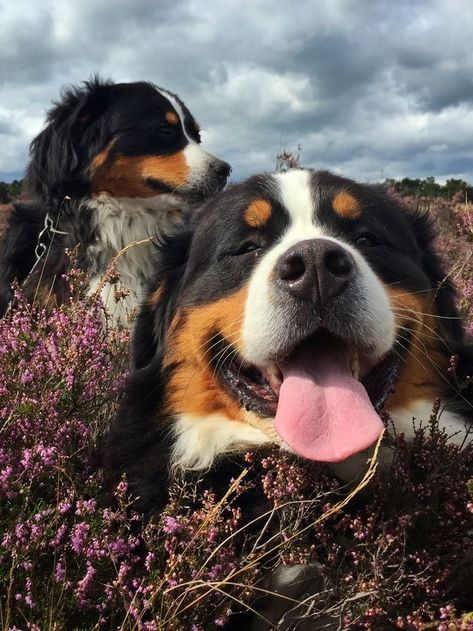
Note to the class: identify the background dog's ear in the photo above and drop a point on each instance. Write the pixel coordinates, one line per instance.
(74, 133)
(159, 306)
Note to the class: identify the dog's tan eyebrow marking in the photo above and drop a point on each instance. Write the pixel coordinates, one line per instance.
(171, 118)
(347, 206)
(257, 214)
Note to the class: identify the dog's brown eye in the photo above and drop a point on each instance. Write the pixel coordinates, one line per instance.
(165, 129)
(247, 248)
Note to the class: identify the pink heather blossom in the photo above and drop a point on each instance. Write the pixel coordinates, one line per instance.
(171, 525)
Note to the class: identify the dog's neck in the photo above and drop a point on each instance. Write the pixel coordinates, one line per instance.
(125, 229)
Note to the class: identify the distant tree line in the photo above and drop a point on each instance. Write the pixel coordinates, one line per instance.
(9, 191)
(430, 188)
(427, 187)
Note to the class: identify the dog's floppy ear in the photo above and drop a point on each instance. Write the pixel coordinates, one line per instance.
(445, 293)
(61, 153)
(159, 307)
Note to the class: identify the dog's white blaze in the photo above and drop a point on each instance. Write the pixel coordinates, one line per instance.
(264, 322)
(177, 106)
(199, 441)
(296, 196)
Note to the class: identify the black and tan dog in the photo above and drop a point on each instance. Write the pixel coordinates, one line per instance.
(115, 164)
(297, 306)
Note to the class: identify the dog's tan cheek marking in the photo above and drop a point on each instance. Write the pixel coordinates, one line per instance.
(102, 157)
(125, 177)
(258, 213)
(425, 369)
(346, 206)
(193, 387)
(122, 178)
(172, 170)
(171, 118)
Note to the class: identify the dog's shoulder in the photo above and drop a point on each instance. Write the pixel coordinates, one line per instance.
(137, 445)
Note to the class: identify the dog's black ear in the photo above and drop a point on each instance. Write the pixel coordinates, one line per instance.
(445, 296)
(159, 306)
(74, 133)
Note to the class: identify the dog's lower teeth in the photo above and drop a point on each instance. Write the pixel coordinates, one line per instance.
(355, 366)
(274, 377)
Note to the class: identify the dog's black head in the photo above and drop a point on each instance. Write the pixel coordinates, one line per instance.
(299, 305)
(126, 140)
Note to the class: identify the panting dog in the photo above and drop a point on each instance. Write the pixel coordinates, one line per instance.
(292, 309)
(117, 163)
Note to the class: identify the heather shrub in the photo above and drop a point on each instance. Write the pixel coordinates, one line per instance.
(60, 373)
(396, 551)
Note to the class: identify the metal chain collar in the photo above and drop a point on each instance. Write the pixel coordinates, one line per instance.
(41, 247)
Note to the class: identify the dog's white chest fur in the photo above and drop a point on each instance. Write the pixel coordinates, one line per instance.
(125, 229)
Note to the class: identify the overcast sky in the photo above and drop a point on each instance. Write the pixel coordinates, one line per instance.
(370, 89)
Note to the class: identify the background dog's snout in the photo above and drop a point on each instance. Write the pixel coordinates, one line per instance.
(221, 168)
(316, 269)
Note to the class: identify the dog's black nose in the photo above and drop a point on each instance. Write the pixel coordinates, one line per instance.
(221, 168)
(316, 270)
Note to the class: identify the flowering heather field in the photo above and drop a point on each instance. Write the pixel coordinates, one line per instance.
(398, 553)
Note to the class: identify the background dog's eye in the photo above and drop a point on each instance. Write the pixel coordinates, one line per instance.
(247, 248)
(164, 129)
(366, 240)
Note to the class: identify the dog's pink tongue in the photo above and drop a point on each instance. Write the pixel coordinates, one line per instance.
(323, 412)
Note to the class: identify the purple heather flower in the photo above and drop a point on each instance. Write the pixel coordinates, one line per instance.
(171, 525)
(79, 537)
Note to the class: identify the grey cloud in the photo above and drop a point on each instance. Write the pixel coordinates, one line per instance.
(369, 89)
